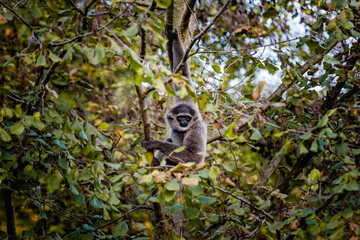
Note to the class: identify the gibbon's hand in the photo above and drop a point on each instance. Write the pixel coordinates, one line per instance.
(149, 145)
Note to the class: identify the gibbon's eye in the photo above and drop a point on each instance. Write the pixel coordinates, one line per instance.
(183, 120)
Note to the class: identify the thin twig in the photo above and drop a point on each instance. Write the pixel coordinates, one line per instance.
(231, 51)
(243, 200)
(18, 16)
(123, 215)
(88, 33)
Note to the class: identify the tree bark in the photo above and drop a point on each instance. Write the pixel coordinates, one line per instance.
(10, 214)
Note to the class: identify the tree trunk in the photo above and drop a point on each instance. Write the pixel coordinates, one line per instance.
(10, 214)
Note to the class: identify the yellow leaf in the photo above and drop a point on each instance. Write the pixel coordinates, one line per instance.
(190, 181)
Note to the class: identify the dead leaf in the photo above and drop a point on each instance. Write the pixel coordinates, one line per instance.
(2, 19)
(73, 71)
(259, 88)
(178, 175)
(294, 225)
(229, 182)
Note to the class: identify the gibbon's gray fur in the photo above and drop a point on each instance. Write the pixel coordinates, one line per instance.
(184, 120)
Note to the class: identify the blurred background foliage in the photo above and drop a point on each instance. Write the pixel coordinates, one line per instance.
(276, 81)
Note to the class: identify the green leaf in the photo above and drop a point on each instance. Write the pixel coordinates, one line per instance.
(17, 129)
(271, 12)
(73, 190)
(337, 234)
(348, 213)
(314, 146)
(80, 199)
(210, 108)
(180, 149)
(339, 4)
(207, 200)
(96, 203)
(85, 175)
(61, 104)
(163, 3)
(216, 68)
(305, 136)
(135, 62)
(314, 175)
(256, 135)
(54, 58)
(172, 186)
(230, 132)
(120, 230)
(82, 134)
(354, 33)
(177, 207)
(106, 215)
(41, 60)
(116, 48)
(196, 190)
(159, 85)
(113, 198)
(341, 148)
(168, 196)
(98, 55)
(352, 186)
(60, 144)
(35, 10)
(302, 149)
(214, 172)
(132, 31)
(313, 230)
(183, 92)
(4, 135)
(53, 183)
(191, 213)
(324, 120)
(90, 130)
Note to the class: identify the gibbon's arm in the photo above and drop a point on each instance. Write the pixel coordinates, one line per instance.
(178, 54)
(168, 147)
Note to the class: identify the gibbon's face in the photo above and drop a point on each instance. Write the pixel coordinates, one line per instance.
(181, 117)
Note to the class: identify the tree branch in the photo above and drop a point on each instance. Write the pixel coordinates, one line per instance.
(243, 200)
(10, 214)
(186, 16)
(279, 91)
(88, 33)
(197, 37)
(163, 226)
(314, 60)
(274, 163)
(18, 16)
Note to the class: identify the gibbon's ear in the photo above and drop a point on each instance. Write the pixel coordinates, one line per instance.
(178, 53)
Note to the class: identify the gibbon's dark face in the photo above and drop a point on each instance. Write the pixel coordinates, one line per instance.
(183, 120)
(180, 117)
